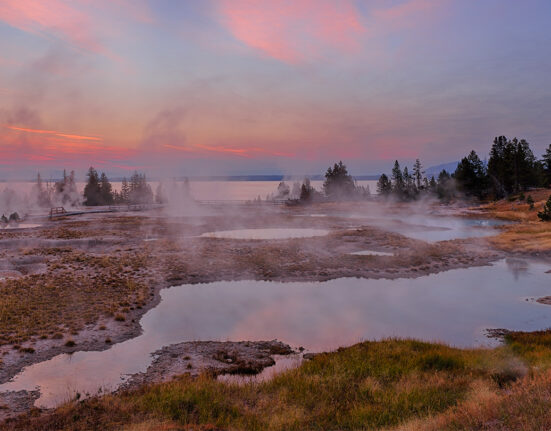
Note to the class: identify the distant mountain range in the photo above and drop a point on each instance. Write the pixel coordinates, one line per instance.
(435, 170)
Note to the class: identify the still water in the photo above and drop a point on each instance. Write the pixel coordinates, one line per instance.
(453, 307)
(267, 233)
(432, 228)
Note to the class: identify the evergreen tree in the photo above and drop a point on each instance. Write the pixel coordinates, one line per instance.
(547, 166)
(512, 166)
(471, 176)
(445, 187)
(338, 182)
(139, 191)
(125, 191)
(384, 186)
(398, 185)
(432, 184)
(160, 196)
(409, 184)
(106, 190)
(92, 190)
(418, 174)
(545, 213)
(306, 191)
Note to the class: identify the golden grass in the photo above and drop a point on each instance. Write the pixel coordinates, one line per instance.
(391, 384)
(77, 290)
(529, 235)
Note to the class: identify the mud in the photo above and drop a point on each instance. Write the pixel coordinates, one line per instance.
(212, 357)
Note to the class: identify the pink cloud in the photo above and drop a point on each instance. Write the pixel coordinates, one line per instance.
(408, 13)
(247, 152)
(52, 17)
(20, 145)
(294, 30)
(78, 22)
(53, 132)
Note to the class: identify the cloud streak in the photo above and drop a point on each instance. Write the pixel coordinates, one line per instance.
(53, 132)
(294, 31)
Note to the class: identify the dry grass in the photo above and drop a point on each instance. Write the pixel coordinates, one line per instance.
(77, 291)
(529, 235)
(392, 384)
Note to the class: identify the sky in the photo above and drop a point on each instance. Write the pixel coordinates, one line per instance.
(230, 87)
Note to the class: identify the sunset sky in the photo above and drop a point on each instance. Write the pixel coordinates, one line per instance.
(218, 87)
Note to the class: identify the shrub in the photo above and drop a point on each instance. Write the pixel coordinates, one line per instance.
(545, 213)
(530, 201)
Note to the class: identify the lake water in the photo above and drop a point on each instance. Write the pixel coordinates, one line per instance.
(210, 190)
(453, 307)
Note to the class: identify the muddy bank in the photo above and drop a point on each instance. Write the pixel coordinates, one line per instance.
(213, 357)
(15, 403)
(546, 300)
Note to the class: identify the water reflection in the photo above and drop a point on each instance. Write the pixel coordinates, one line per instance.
(432, 228)
(454, 306)
(268, 233)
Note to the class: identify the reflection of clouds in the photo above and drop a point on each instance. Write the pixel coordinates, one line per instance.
(450, 306)
(517, 267)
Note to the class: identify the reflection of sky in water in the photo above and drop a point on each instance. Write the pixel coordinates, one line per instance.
(371, 253)
(19, 226)
(453, 306)
(433, 229)
(267, 233)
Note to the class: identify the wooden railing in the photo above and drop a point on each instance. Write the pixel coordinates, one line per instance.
(57, 211)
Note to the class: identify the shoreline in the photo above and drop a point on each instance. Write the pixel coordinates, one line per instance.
(461, 253)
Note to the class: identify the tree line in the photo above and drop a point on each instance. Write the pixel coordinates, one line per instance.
(338, 185)
(99, 191)
(511, 168)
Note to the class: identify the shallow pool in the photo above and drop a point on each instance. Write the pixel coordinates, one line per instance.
(454, 307)
(434, 228)
(371, 253)
(267, 233)
(20, 226)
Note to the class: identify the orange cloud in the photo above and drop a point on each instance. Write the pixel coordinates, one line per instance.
(23, 145)
(53, 132)
(294, 30)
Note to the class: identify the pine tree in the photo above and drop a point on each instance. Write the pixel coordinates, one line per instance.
(418, 174)
(397, 179)
(306, 191)
(545, 213)
(92, 191)
(547, 166)
(384, 186)
(471, 176)
(338, 182)
(125, 191)
(106, 190)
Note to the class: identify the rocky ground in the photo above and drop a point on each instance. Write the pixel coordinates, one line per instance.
(213, 357)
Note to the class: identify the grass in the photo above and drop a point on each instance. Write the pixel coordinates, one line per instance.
(529, 234)
(391, 384)
(79, 290)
